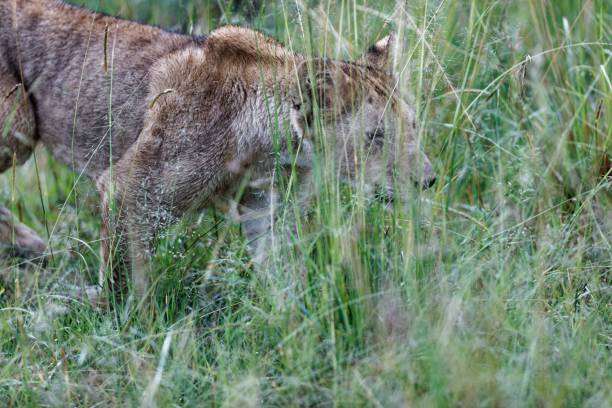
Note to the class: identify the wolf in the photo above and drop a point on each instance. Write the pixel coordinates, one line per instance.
(167, 123)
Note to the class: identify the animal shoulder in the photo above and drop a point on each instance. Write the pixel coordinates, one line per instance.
(246, 45)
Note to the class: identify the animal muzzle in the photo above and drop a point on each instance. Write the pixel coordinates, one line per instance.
(427, 183)
(422, 180)
(426, 178)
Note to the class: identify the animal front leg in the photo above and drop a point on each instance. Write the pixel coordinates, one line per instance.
(128, 228)
(257, 212)
(113, 244)
(140, 236)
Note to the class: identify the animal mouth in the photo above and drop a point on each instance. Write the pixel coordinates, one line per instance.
(386, 196)
(426, 183)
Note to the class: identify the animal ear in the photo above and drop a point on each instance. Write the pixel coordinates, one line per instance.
(380, 55)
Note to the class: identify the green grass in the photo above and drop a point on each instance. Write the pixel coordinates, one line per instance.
(491, 289)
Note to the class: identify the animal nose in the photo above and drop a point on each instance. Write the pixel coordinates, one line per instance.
(428, 183)
(428, 177)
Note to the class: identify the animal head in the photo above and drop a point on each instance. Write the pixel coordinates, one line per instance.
(372, 129)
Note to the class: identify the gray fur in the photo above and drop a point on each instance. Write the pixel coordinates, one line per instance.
(167, 123)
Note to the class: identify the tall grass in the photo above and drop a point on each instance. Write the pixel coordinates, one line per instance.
(491, 289)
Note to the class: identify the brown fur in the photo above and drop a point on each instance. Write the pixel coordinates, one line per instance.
(168, 123)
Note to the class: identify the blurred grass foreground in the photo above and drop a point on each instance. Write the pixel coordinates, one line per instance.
(490, 289)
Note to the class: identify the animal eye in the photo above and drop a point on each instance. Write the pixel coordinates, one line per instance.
(376, 136)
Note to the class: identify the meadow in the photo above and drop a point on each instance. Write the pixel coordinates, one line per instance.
(492, 288)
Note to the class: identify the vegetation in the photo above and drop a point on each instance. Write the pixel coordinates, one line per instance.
(490, 289)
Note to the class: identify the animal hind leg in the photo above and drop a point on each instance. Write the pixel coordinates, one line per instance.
(17, 140)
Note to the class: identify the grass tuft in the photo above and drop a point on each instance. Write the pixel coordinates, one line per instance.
(491, 289)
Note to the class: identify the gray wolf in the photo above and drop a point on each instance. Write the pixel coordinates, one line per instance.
(168, 124)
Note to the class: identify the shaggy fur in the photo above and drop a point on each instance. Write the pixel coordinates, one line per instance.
(168, 123)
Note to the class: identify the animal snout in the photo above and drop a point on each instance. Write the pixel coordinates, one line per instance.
(427, 183)
(428, 179)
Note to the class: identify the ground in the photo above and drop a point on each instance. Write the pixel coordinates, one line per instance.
(490, 289)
